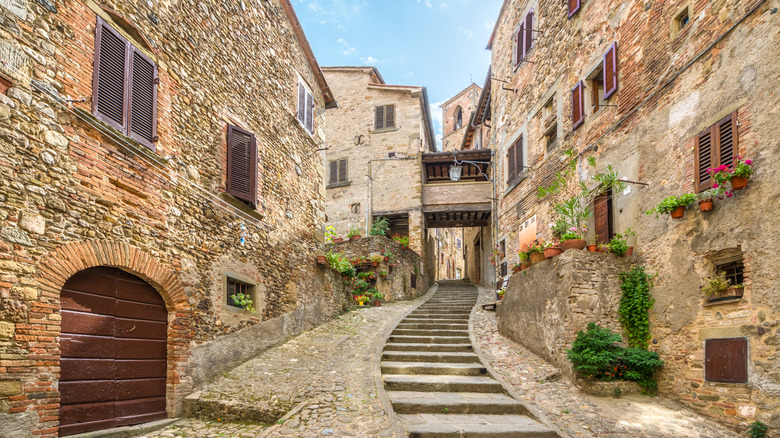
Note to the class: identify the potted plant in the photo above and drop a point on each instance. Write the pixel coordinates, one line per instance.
(322, 260)
(535, 251)
(573, 212)
(338, 239)
(706, 198)
(501, 294)
(516, 267)
(572, 239)
(376, 259)
(593, 247)
(673, 205)
(353, 233)
(618, 244)
(737, 174)
(719, 288)
(379, 227)
(383, 275)
(552, 249)
(402, 239)
(330, 234)
(373, 294)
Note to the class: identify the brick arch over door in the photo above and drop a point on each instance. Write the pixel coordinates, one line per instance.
(59, 265)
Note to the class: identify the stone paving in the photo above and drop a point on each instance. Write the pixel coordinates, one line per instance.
(580, 415)
(325, 375)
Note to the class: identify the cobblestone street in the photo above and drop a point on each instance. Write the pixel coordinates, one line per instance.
(574, 412)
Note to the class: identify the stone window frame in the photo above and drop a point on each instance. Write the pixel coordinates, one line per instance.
(302, 84)
(226, 276)
(722, 258)
(395, 126)
(340, 182)
(522, 174)
(685, 11)
(530, 8)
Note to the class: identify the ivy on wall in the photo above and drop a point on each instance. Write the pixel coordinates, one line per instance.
(635, 304)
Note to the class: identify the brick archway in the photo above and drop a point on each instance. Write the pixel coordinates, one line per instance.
(59, 265)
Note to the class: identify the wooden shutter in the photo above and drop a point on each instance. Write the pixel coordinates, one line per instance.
(529, 32)
(309, 112)
(715, 146)
(520, 44)
(726, 131)
(143, 99)
(379, 117)
(602, 215)
(610, 71)
(726, 360)
(511, 163)
(242, 164)
(301, 103)
(704, 154)
(389, 116)
(343, 170)
(574, 6)
(577, 110)
(334, 173)
(109, 91)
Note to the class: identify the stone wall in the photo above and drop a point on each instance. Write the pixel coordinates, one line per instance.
(398, 284)
(75, 193)
(546, 305)
(671, 86)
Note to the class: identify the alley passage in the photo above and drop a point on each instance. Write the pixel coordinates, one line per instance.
(437, 384)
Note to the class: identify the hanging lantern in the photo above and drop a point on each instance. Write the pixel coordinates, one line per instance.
(455, 172)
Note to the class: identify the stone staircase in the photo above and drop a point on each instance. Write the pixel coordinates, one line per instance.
(435, 381)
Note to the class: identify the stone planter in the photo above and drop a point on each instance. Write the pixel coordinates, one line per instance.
(552, 252)
(573, 244)
(739, 182)
(536, 257)
(732, 292)
(678, 212)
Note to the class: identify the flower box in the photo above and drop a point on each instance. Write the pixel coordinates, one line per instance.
(728, 294)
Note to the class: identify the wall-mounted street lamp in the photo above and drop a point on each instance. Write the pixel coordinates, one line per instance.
(456, 170)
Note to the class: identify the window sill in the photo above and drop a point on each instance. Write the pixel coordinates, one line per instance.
(723, 301)
(241, 205)
(514, 183)
(334, 186)
(382, 131)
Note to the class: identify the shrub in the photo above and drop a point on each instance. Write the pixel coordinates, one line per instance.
(757, 429)
(380, 227)
(594, 352)
(640, 365)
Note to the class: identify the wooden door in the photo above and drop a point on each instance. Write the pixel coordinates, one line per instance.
(602, 215)
(113, 351)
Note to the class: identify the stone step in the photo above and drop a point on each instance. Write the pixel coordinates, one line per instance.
(491, 404)
(425, 313)
(423, 332)
(411, 320)
(441, 383)
(433, 368)
(447, 308)
(433, 325)
(432, 356)
(463, 348)
(428, 339)
(474, 426)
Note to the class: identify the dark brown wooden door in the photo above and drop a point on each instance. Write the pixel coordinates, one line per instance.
(602, 214)
(113, 351)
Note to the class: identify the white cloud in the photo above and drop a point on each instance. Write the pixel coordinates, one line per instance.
(468, 33)
(437, 118)
(370, 60)
(427, 3)
(489, 25)
(408, 75)
(346, 49)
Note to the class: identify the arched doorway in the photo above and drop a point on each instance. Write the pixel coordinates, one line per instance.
(113, 351)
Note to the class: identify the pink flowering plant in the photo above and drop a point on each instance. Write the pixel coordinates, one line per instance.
(723, 173)
(574, 233)
(742, 167)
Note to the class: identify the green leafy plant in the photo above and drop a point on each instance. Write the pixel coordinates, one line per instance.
(330, 234)
(594, 351)
(672, 202)
(717, 285)
(635, 304)
(573, 212)
(340, 264)
(757, 429)
(353, 231)
(243, 301)
(618, 245)
(640, 366)
(608, 180)
(401, 239)
(560, 180)
(380, 226)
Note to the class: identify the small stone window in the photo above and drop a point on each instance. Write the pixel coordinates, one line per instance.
(735, 272)
(458, 118)
(235, 290)
(550, 124)
(726, 360)
(502, 249)
(413, 280)
(680, 22)
(596, 84)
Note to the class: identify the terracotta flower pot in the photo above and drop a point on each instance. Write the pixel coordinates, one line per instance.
(338, 240)
(552, 252)
(705, 205)
(355, 237)
(630, 251)
(375, 264)
(387, 259)
(536, 257)
(678, 212)
(525, 265)
(573, 244)
(593, 248)
(322, 260)
(516, 269)
(739, 182)
(377, 303)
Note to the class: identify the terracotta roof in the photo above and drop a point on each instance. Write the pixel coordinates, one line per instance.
(327, 94)
(366, 69)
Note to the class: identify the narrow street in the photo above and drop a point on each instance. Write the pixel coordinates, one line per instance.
(325, 380)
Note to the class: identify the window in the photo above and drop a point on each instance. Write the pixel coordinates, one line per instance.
(515, 160)
(338, 172)
(577, 106)
(715, 146)
(458, 243)
(610, 77)
(682, 19)
(305, 108)
(734, 270)
(384, 117)
(596, 84)
(524, 38)
(503, 271)
(550, 124)
(502, 249)
(574, 6)
(458, 119)
(124, 86)
(413, 280)
(725, 360)
(242, 165)
(237, 291)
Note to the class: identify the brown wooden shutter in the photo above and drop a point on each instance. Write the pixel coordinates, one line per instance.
(309, 112)
(109, 91)
(390, 116)
(577, 110)
(610, 71)
(379, 117)
(726, 360)
(726, 131)
(301, 103)
(511, 163)
(602, 215)
(520, 43)
(519, 156)
(143, 99)
(704, 160)
(574, 6)
(334, 173)
(242, 164)
(343, 170)
(529, 32)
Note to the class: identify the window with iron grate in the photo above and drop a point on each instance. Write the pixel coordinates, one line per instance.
(238, 290)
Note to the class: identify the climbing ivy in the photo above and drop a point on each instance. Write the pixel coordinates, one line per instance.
(635, 305)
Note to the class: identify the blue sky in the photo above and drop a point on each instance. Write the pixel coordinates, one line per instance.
(439, 44)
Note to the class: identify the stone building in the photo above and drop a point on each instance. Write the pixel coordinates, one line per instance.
(456, 115)
(157, 162)
(659, 92)
(375, 140)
